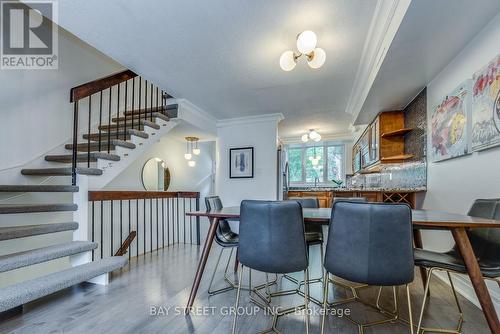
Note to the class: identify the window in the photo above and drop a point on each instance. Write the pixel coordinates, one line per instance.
(330, 163)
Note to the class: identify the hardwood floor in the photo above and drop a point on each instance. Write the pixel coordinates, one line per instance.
(164, 279)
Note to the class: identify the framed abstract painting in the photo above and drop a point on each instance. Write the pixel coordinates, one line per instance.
(241, 163)
(486, 106)
(450, 122)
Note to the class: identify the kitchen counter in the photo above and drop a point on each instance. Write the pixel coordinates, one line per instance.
(326, 195)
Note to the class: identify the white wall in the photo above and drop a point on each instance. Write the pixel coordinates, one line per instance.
(454, 184)
(261, 133)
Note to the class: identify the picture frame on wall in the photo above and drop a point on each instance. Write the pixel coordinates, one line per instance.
(241, 163)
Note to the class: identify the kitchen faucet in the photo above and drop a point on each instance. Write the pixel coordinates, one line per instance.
(316, 180)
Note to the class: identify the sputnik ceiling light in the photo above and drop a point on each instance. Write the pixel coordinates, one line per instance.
(191, 148)
(306, 44)
(312, 134)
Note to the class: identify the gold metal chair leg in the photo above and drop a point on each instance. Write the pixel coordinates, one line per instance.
(237, 301)
(306, 299)
(410, 314)
(325, 301)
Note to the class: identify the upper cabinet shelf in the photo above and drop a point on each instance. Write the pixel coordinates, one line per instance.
(400, 157)
(396, 133)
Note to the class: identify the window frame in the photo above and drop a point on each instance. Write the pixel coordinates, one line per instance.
(324, 146)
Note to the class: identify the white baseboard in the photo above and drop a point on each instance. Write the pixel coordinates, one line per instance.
(464, 288)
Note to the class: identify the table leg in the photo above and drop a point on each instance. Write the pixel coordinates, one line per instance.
(417, 240)
(482, 293)
(201, 264)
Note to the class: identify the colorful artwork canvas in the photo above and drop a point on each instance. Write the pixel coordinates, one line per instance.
(449, 122)
(486, 106)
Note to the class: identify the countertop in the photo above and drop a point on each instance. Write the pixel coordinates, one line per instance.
(407, 190)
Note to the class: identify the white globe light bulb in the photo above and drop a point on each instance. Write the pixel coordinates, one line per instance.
(287, 61)
(313, 134)
(317, 138)
(196, 151)
(318, 58)
(305, 138)
(187, 156)
(306, 41)
(191, 163)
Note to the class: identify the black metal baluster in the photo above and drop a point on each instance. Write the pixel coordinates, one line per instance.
(184, 218)
(88, 139)
(150, 225)
(146, 99)
(163, 222)
(102, 229)
(140, 97)
(121, 224)
(111, 248)
(137, 227)
(157, 100)
(109, 117)
(157, 234)
(198, 241)
(100, 120)
(162, 101)
(190, 221)
(178, 220)
(93, 224)
(151, 102)
(124, 111)
(129, 230)
(117, 114)
(75, 143)
(133, 101)
(144, 223)
(168, 221)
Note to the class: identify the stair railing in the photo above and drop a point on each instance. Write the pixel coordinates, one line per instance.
(141, 221)
(106, 100)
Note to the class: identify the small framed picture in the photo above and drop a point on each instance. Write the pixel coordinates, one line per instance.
(241, 162)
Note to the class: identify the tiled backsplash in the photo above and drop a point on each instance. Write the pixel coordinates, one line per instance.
(411, 175)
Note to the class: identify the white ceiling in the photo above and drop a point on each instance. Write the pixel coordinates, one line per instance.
(432, 33)
(223, 56)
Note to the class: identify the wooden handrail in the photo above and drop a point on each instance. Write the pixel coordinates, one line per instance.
(126, 195)
(79, 92)
(126, 244)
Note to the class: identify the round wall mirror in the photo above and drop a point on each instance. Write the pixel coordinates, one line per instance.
(155, 175)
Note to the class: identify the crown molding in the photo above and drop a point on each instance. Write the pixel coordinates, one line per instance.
(278, 117)
(194, 115)
(385, 23)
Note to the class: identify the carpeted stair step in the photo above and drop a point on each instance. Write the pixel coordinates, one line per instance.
(120, 134)
(24, 292)
(64, 171)
(68, 158)
(14, 232)
(39, 255)
(34, 208)
(94, 146)
(138, 125)
(38, 188)
(136, 117)
(164, 110)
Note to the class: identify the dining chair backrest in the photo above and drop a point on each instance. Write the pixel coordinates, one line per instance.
(224, 232)
(306, 202)
(348, 199)
(272, 236)
(486, 241)
(371, 243)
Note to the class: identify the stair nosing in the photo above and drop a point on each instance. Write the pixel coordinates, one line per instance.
(14, 188)
(37, 208)
(23, 231)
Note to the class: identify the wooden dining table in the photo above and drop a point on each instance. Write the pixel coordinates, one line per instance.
(422, 219)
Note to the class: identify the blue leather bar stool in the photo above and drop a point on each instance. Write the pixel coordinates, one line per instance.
(486, 245)
(227, 239)
(370, 243)
(272, 241)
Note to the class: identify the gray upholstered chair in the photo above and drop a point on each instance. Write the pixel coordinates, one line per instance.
(272, 241)
(370, 243)
(486, 245)
(314, 235)
(225, 238)
(348, 199)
